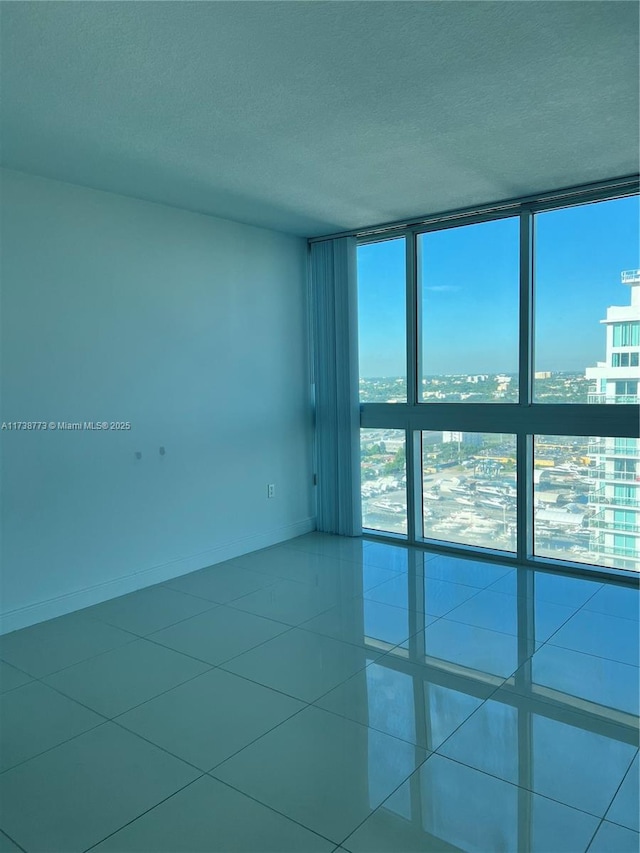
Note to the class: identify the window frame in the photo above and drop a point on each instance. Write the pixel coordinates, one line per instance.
(525, 419)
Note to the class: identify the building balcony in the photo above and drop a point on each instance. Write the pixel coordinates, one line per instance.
(615, 551)
(608, 447)
(600, 522)
(616, 399)
(598, 545)
(600, 497)
(602, 472)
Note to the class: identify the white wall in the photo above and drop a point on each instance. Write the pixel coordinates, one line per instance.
(193, 329)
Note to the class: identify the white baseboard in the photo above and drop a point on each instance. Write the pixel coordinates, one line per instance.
(77, 600)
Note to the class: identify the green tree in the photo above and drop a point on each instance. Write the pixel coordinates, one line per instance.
(396, 467)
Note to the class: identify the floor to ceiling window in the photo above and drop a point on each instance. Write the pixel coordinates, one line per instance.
(499, 372)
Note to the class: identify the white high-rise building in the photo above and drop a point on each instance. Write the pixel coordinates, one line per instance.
(615, 495)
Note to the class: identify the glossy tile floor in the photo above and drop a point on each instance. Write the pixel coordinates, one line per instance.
(328, 694)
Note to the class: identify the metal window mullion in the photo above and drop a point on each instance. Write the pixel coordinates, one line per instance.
(412, 319)
(564, 197)
(413, 461)
(524, 488)
(524, 462)
(414, 485)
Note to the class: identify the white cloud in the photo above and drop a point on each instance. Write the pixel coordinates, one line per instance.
(444, 288)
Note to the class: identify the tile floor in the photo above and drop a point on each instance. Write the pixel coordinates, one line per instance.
(328, 694)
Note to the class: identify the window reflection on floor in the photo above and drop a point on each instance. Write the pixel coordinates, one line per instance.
(502, 678)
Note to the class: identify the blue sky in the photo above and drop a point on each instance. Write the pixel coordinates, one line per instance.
(469, 289)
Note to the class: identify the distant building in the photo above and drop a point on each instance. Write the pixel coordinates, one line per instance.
(502, 383)
(542, 374)
(615, 495)
(469, 438)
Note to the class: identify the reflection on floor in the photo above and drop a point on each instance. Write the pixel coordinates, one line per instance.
(328, 694)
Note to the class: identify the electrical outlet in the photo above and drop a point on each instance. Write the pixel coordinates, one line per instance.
(271, 490)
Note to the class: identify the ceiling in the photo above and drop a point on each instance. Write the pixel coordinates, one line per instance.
(317, 117)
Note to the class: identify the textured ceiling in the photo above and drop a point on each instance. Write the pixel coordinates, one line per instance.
(317, 117)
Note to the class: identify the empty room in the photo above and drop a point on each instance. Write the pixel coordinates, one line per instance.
(319, 426)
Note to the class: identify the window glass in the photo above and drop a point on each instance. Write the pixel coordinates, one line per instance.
(464, 331)
(626, 334)
(624, 546)
(625, 359)
(382, 333)
(624, 519)
(626, 388)
(625, 496)
(469, 289)
(626, 467)
(586, 296)
(587, 496)
(383, 480)
(469, 488)
(626, 446)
